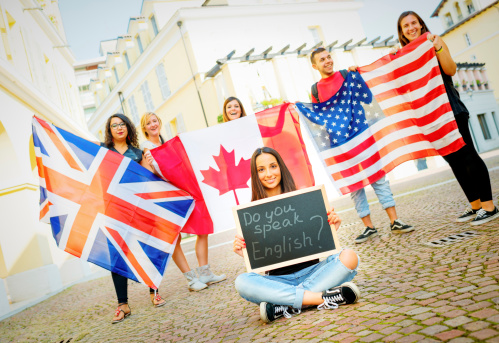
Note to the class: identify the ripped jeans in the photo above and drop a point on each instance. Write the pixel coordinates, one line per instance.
(289, 289)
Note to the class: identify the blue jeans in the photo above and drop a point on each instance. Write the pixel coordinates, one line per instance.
(289, 289)
(383, 192)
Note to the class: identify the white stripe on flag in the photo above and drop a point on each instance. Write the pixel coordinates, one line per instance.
(399, 62)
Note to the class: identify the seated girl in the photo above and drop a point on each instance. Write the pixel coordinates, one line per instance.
(324, 284)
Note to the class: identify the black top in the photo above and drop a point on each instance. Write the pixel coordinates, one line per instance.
(454, 99)
(132, 152)
(292, 269)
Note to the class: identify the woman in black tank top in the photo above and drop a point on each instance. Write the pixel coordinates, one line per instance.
(468, 167)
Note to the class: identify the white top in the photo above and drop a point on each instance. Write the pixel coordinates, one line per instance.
(147, 145)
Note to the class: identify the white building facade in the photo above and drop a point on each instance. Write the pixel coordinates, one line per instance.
(36, 78)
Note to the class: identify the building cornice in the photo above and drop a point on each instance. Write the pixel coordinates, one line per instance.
(468, 18)
(209, 12)
(50, 30)
(25, 92)
(154, 52)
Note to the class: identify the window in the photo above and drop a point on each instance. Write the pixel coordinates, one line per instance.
(127, 60)
(470, 7)
(483, 126)
(139, 43)
(458, 11)
(315, 34)
(146, 93)
(180, 123)
(163, 81)
(132, 106)
(448, 20)
(467, 39)
(154, 26)
(495, 121)
(84, 88)
(116, 75)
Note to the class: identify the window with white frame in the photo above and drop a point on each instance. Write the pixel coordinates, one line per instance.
(139, 44)
(467, 39)
(495, 121)
(484, 126)
(470, 6)
(315, 34)
(127, 60)
(146, 93)
(448, 20)
(132, 106)
(154, 26)
(163, 81)
(116, 75)
(180, 123)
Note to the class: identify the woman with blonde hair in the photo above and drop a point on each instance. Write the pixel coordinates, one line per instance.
(150, 124)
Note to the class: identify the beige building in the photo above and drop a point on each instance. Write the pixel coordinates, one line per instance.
(36, 78)
(472, 35)
(171, 59)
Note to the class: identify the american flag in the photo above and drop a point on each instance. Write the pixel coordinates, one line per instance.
(105, 208)
(361, 139)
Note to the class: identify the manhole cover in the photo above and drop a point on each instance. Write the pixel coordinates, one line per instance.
(439, 243)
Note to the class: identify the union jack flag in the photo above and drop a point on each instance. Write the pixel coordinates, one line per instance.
(105, 208)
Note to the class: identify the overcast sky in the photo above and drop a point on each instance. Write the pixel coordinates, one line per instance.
(90, 21)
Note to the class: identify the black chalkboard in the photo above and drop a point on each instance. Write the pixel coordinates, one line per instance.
(286, 229)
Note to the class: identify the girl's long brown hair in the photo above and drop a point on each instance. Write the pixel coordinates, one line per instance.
(287, 182)
(404, 41)
(131, 136)
(229, 99)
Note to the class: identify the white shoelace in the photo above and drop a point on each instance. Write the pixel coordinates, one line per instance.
(468, 210)
(331, 302)
(283, 309)
(481, 212)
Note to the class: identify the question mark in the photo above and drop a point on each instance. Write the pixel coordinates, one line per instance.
(322, 225)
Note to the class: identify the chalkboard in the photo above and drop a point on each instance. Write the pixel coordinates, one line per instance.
(286, 229)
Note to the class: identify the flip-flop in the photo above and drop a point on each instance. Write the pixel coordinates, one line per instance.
(117, 313)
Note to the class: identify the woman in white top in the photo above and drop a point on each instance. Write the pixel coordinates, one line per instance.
(151, 126)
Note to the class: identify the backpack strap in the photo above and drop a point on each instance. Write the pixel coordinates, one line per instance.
(315, 92)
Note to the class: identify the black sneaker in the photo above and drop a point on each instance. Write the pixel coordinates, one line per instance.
(369, 232)
(483, 216)
(347, 293)
(468, 214)
(270, 312)
(399, 226)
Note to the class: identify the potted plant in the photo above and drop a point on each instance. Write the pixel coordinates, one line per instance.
(456, 84)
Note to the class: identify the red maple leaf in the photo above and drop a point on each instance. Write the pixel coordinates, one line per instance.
(230, 177)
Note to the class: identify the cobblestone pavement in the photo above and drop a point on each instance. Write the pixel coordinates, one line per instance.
(410, 292)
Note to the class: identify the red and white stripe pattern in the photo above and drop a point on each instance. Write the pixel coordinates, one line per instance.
(418, 122)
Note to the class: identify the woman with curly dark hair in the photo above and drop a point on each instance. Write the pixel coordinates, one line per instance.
(121, 137)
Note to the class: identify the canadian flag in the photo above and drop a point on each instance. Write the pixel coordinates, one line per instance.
(213, 164)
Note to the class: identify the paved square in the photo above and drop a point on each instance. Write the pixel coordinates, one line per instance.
(410, 292)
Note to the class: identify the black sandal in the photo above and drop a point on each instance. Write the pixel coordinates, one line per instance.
(117, 313)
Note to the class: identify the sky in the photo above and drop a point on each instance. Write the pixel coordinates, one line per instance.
(90, 21)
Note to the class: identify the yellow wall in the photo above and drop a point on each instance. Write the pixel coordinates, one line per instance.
(483, 31)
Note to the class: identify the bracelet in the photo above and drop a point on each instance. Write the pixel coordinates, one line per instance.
(439, 50)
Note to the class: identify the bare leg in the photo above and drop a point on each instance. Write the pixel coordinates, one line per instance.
(349, 259)
(179, 258)
(202, 250)
(488, 205)
(476, 205)
(367, 221)
(392, 214)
